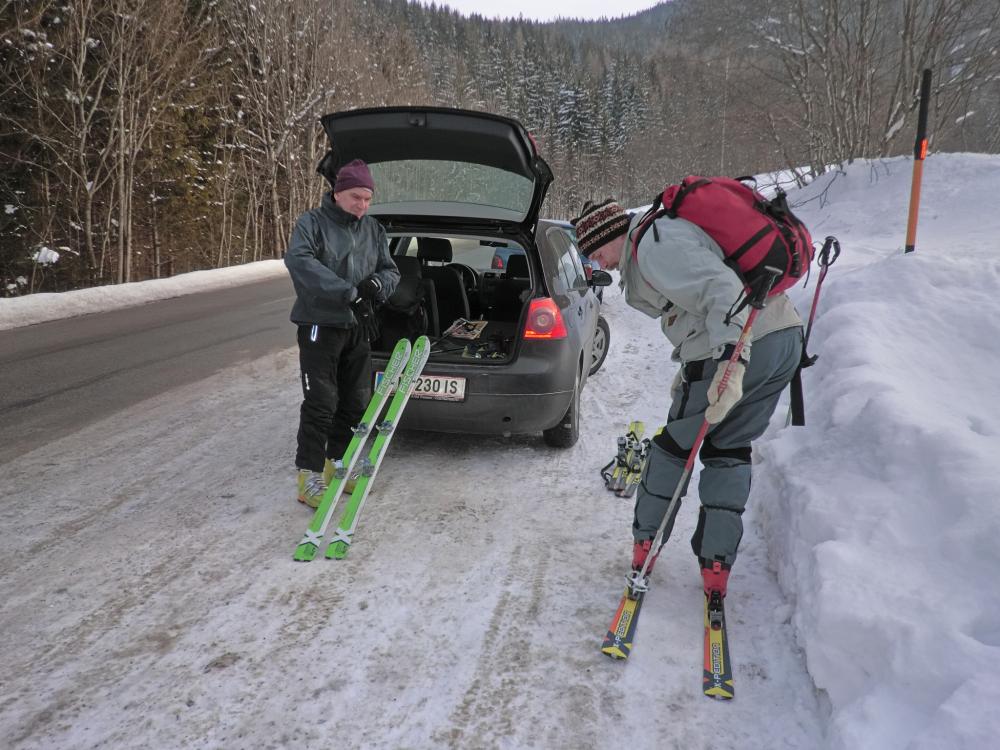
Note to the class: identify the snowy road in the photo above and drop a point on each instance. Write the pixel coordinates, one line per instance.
(61, 375)
(150, 598)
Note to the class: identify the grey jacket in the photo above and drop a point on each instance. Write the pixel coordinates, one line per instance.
(329, 253)
(683, 280)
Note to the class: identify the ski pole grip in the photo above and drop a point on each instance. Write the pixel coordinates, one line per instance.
(830, 243)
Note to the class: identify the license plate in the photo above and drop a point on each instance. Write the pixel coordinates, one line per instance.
(438, 387)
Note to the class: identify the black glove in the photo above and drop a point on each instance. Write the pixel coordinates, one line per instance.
(365, 314)
(370, 288)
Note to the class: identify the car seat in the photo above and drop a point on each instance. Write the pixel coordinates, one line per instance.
(452, 301)
(511, 292)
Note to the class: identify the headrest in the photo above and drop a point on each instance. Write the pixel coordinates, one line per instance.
(434, 248)
(517, 265)
(407, 265)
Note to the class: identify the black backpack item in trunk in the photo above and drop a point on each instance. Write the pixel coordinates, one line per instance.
(404, 314)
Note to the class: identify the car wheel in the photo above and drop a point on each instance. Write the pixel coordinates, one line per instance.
(567, 432)
(599, 351)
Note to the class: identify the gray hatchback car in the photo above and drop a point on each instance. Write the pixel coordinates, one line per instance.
(512, 347)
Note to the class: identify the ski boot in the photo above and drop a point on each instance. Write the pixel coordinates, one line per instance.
(640, 551)
(714, 577)
(311, 487)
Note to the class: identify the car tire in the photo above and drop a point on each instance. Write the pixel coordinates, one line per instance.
(599, 350)
(567, 432)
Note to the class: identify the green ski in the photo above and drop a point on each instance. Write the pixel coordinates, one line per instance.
(369, 467)
(307, 548)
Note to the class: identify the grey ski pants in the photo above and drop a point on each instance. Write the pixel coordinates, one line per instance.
(724, 485)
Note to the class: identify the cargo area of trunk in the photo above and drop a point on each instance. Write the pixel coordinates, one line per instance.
(466, 294)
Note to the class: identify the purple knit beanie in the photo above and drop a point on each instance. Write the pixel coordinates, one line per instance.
(354, 174)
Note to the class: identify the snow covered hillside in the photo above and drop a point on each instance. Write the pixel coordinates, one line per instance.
(150, 599)
(881, 515)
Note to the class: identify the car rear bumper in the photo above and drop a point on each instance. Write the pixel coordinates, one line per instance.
(488, 414)
(529, 395)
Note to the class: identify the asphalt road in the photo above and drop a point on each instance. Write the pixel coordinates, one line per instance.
(60, 376)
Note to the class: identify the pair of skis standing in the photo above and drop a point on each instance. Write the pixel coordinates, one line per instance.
(401, 373)
(717, 676)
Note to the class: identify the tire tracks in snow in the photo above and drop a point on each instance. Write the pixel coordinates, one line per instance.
(489, 708)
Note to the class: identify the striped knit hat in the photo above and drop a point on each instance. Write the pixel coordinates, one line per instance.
(598, 224)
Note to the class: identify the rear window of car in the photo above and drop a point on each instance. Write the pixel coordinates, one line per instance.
(468, 250)
(487, 191)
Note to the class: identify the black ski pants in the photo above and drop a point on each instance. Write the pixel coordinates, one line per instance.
(336, 387)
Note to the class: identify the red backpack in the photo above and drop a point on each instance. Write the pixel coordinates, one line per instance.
(752, 231)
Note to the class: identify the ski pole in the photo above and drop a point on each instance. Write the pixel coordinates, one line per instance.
(796, 405)
(825, 261)
(757, 299)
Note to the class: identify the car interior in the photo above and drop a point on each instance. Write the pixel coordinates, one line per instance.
(449, 291)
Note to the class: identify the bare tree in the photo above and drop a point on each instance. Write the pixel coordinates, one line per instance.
(852, 69)
(285, 59)
(191, 128)
(155, 50)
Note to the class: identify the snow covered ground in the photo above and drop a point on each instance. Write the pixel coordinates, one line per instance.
(150, 599)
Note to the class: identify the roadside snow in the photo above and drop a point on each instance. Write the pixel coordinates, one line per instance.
(41, 308)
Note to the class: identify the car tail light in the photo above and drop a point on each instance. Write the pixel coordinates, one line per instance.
(497, 262)
(544, 320)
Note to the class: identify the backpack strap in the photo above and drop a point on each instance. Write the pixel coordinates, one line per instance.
(683, 193)
(648, 220)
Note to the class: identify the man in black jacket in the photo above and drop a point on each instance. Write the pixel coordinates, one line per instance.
(338, 258)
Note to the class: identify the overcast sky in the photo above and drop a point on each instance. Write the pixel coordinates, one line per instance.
(549, 10)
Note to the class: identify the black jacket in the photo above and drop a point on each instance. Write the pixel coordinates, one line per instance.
(329, 253)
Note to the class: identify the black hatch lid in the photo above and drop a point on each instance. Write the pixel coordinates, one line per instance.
(434, 163)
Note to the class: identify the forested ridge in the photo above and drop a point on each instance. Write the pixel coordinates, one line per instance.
(145, 138)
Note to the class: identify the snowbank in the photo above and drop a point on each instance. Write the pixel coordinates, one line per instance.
(41, 308)
(881, 515)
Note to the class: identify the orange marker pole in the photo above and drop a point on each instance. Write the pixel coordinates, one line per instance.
(919, 154)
